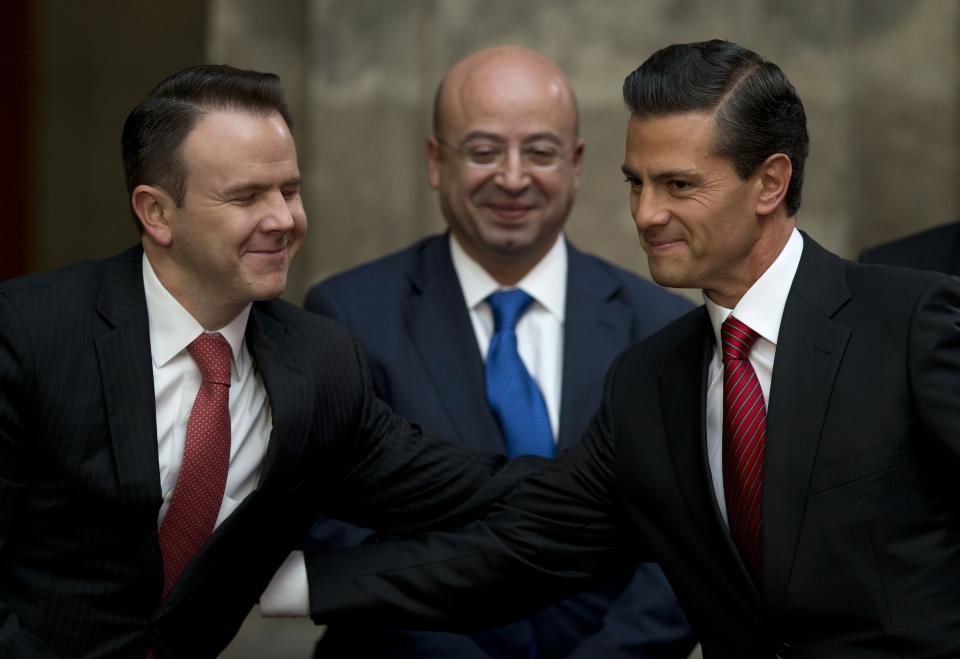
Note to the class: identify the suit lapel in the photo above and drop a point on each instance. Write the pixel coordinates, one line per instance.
(123, 352)
(437, 319)
(287, 391)
(596, 328)
(683, 390)
(809, 351)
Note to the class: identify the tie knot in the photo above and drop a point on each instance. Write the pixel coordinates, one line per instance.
(507, 307)
(737, 339)
(211, 352)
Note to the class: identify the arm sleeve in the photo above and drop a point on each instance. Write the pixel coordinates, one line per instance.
(934, 368)
(396, 477)
(15, 386)
(555, 533)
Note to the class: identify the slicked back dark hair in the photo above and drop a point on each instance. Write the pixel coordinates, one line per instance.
(155, 130)
(757, 111)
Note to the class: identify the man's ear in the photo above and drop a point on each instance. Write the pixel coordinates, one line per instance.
(155, 209)
(433, 161)
(577, 160)
(773, 181)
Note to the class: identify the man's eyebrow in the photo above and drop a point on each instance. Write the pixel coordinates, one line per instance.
(493, 137)
(254, 186)
(665, 175)
(481, 135)
(543, 135)
(674, 173)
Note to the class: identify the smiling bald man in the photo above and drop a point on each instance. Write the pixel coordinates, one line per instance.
(505, 158)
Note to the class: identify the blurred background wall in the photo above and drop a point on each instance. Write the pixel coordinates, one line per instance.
(879, 79)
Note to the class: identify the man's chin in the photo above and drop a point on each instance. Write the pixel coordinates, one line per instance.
(268, 288)
(668, 277)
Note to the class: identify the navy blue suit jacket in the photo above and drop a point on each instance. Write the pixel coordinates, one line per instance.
(408, 312)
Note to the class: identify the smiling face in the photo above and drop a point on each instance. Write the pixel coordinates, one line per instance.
(506, 217)
(701, 225)
(241, 221)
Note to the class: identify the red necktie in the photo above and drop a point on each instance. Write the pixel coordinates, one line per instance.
(206, 457)
(744, 438)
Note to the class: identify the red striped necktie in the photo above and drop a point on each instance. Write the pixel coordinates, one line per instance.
(744, 440)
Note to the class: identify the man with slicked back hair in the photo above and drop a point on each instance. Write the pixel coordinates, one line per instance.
(787, 452)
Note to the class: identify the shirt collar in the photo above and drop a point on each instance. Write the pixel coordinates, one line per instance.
(172, 328)
(546, 282)
(761, 307)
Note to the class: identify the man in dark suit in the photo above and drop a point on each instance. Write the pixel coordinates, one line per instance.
(934, 249)
(423, 319)
(788, 453)
(168, 429)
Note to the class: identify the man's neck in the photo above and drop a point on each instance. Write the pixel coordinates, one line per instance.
(506, 270)
(207, 309)
(766, 250)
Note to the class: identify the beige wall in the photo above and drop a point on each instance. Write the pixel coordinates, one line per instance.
(879, 81)
(93, 62)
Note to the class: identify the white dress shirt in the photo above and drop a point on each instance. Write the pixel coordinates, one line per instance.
(539, 330)
(760, 309)
(176, 381)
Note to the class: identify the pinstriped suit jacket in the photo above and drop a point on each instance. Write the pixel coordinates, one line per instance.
(80, 567)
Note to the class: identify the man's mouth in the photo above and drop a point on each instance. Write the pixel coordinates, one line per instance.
(659, 245)
(269, 253)
(510, 211)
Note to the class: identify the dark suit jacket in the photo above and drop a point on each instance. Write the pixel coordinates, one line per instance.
(861, 531)
(80, 567)
(934, 249)
(408, 312)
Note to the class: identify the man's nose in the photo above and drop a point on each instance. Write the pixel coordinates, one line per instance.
(279, 216)
(648, 210)
(512, 175)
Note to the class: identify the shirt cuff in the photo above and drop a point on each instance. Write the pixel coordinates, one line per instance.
(287, 594)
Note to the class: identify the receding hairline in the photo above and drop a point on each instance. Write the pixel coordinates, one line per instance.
(468, 65)
(205, 113)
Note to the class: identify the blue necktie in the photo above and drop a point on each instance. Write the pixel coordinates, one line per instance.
(513, 395)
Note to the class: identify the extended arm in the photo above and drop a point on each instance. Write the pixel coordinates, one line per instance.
(555, 533)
